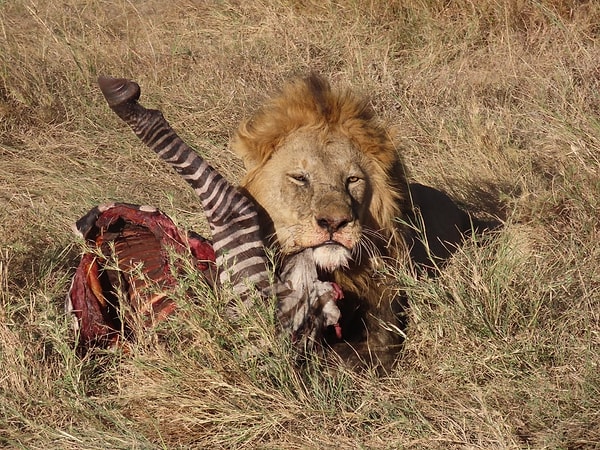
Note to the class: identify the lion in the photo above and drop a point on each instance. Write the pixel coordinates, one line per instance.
(327, 175)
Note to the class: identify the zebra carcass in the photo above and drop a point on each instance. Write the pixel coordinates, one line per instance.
(137, 240)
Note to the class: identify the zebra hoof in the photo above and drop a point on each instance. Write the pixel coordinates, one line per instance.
(118, 91)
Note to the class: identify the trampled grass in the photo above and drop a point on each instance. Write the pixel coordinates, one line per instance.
(494, 102)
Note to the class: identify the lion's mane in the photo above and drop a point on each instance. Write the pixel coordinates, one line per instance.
(311, 103)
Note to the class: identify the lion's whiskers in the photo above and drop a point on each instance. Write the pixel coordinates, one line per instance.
(367, 245)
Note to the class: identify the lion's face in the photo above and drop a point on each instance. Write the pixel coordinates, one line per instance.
(325, 172)
(317, 195)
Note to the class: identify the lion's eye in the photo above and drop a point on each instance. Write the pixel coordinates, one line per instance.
(299, 178)
(353, 179)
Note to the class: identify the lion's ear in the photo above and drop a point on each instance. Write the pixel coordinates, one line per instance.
(256, 140)
(245, 148)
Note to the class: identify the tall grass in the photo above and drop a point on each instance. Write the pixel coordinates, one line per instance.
(494, 102)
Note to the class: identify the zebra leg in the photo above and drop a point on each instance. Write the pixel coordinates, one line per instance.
(232, 216)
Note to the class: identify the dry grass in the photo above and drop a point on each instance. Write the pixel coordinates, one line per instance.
(495, 102)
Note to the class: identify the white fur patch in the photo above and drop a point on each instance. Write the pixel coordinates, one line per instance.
(331, 257)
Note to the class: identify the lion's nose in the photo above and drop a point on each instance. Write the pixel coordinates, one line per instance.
(333, 223)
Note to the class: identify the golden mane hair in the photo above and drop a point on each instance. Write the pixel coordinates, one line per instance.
(310, 103)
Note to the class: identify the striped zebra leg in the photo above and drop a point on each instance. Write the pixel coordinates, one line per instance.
(232, 217)
(305, 305)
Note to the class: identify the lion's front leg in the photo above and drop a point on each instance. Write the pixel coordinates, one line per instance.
(385, 328)
(373, 328)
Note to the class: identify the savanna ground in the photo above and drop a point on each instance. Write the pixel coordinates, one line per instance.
(496, 103)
